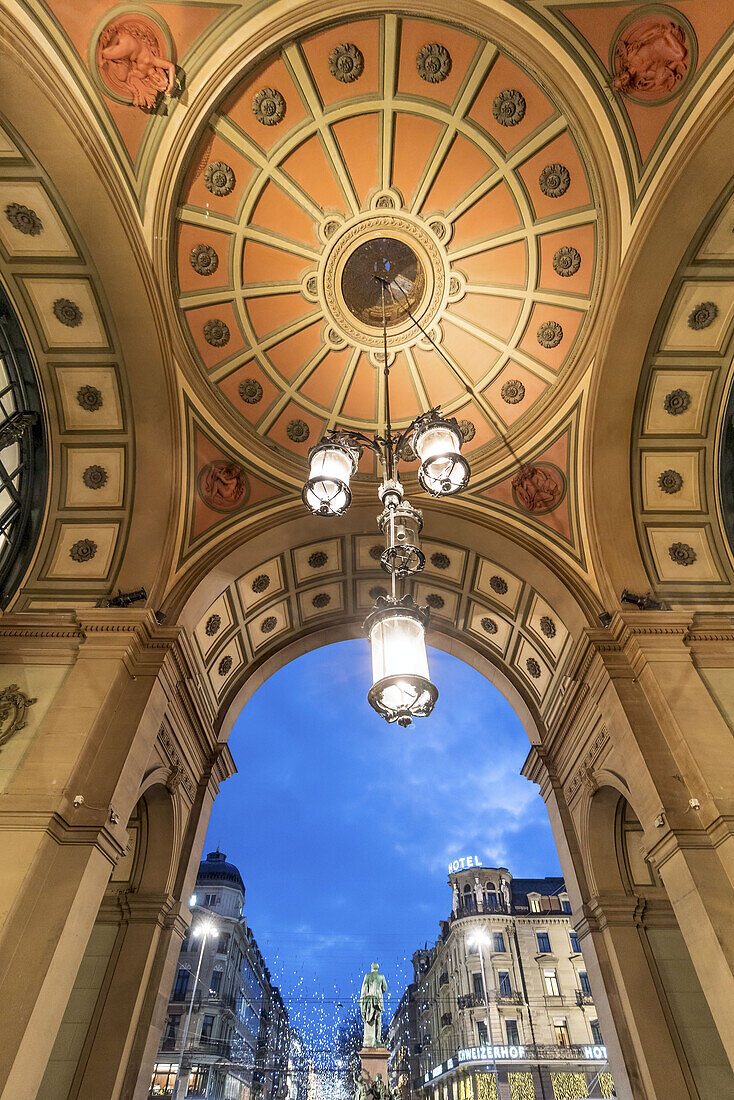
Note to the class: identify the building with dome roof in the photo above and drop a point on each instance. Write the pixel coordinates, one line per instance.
(237, 1045)
(503, 1000)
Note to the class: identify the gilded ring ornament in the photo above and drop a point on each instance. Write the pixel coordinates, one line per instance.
(433, 63)
(268, 106)
(346, 62)
(509, 107)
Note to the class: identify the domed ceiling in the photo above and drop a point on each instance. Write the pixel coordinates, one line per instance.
(386, 145)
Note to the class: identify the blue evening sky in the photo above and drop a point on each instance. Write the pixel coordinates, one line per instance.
(342, 826)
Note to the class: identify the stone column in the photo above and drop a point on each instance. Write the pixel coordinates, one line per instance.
(93, 736)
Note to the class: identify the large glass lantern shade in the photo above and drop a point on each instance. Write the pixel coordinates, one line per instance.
(401, 689)
(443, 469)
(327, 492)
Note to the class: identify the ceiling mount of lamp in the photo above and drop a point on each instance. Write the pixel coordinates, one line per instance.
(401, 688)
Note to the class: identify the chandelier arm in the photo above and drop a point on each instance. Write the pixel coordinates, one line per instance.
(443, 355)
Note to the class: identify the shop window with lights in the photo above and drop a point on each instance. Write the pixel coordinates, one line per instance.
(606, 1085)
(569, 1086)
(522, 1086)
(23, 454)
(486, 1086)
(560, 1029)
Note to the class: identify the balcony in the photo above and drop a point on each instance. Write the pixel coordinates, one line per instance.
(584, 998)
(486, 908)
(214, 1048)
(494, 996)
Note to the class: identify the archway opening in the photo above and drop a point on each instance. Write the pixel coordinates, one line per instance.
(344, 829)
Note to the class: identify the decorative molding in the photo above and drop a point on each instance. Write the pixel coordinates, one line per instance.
(179, 773)
(584, 771)
(13, 706)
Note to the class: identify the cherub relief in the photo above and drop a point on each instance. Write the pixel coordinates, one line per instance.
(130, 55)
(651, 58)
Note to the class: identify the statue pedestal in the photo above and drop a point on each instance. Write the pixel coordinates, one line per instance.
(374, 1061)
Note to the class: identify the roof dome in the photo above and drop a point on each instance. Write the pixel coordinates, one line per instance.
(215, 869)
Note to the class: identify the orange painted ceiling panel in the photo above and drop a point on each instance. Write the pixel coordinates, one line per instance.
(310, 169)
(359, 141)
(361, 399)
(473, 355)
(414, 139)
(581, 238)
(365, 35)
(212, 149)
(291, 355)
(560, 151)
(489, 312)
(277, 211)
(263, 263)
(321, 385)
(506, 265)
(276, 311)
(239, 105)
(504, 75)
(222, 311)
(496, 213)
(189, 236)
(463, 167)
(534, 386)
(415, 34)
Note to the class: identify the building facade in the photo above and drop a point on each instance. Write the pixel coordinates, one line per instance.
(404, 1062)
(237, 1041)
(504, 1006)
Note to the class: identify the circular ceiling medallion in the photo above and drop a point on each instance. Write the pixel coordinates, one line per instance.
(389, 256)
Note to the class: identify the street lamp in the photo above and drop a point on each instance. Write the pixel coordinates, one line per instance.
(401, 688)
(480, 939)
(205, 928)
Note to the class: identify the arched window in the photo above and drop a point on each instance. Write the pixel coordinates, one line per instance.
(470, 901)
(490, 896)
(23, 454)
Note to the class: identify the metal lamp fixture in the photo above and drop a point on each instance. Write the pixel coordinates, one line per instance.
(396, 627)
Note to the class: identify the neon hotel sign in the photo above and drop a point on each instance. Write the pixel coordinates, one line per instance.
(463, 863)
(503, 1054)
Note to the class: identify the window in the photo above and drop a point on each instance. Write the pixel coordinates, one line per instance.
(181, 985)
(561, 1030)
(596, 1033)
(550, 980)
(565, 905)
(223, 943)
(534, 903)
(473, 949)
(477, 984)
(498, 941)
(172, 1028)
(212, 899)
(215, 982)
(482, 1032)
(573, 936)
(23, 456)
(470, 902)
(543, 943)
(585, 983)
(206, 1027)
(513, 1035)
(504, 983)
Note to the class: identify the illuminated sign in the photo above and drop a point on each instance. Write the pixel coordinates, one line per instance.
(491, 1054)
(596, 1054)
(463, 863)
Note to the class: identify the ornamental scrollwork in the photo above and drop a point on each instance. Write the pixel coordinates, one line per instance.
(13, 706)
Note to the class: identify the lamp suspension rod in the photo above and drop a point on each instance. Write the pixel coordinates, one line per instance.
(445, 357)
(386, 372)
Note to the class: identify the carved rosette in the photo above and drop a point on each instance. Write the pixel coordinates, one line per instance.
(219, 179)
(682, 554)
(439, 560)
(213, 624)
(268, 624)
(433, 63)
(498, 585)
(204, 259)
(533, 668)
(95, 477)
(566, 261)
(67, 312)
(321, 600)
(23, 219)
(224, 665)
(260, 584)
(550, 334)
(703, 315)
(489, 626)
(83, 550)
(676, 402)
(319, 558)
(467, 430)
(434, 601)
(297, 431)
(346, 62)
(14, 704)
(555, 180)
(250, 391)
(547, 626)
(509, 107)
(216, 332)
(268, 106)
(512, 391)
(90, 398)
(670, 481)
